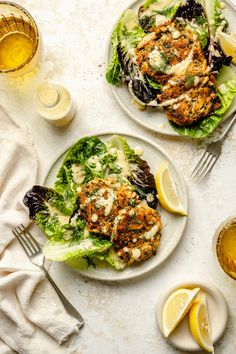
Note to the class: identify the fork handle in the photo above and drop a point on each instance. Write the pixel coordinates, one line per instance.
(231, 123)
(68, 306)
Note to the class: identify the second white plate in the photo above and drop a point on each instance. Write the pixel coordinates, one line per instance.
(154, 119)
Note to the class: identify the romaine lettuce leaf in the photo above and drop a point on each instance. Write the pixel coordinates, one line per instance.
(225, 75)
(80, 155)
(96, 260)
(122, 66)
(114, 260)
(127, 34)
(215, 16)
(166, 8)
(151, 8)
(114, 69)
(140, 175)
(62, 251)
(38, 198)
(100, 260)
(216, 22)
(48, 209)
(121, 143)
(227, 93)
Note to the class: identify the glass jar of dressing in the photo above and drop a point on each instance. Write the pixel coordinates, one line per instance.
(54, 103)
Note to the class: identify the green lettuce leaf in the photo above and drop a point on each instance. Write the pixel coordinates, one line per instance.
(115, 261)
(96, 260)
(114, 69)
(48, 209)
(79, 154)
(167, 8)
(227, 93)
(121, 143)
(153, 83)
(100, 260)
(139, 175)
(62, 251)
(200, 28)
(225, 75)
(129, 33)
(215, 16)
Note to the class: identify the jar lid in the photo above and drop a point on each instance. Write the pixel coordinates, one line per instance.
(48, 95)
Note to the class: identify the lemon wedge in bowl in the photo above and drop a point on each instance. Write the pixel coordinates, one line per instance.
(167, 191)
(199, 324)
(227, 42)
(176, 307)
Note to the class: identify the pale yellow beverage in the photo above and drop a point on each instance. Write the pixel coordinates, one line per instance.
(15, 49)
(225, 244)
(19, 40)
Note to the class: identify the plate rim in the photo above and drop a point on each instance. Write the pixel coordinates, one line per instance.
(111, 276)
(113, 88)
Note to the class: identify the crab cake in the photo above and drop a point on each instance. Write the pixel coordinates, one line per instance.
(163, 51)
(186, 102)
(171, 55)
(136, 233)
(101, 200)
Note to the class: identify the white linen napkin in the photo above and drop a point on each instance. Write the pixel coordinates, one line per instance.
(32, 318)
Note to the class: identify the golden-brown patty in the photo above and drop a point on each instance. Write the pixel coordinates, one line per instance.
(136, 233)
(189, 91)
(173, 50)
(101, 200)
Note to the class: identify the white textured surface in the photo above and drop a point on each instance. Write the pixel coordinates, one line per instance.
(120, 317)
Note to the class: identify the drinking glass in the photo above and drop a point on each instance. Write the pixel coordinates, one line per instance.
(19, 40)
(224, 246)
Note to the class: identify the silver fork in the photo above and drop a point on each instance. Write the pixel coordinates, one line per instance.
(34, 252)
(210, 155)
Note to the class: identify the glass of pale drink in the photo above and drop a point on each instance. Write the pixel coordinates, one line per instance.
(19, 40)
(224, 246)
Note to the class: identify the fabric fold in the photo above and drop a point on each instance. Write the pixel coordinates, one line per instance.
(32, 317)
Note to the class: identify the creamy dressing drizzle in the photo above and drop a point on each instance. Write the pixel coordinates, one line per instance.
(152, 232)
(160, 19)
(136, 253)
(155, 58)
(182, 66)
(94, 218)
(106, 202)
(78, 173)
(138, 150)
(123, 164)
(54, 212)
(146, 39)
(95, 160)
(156, 61)
(174, 100)
(86, 244)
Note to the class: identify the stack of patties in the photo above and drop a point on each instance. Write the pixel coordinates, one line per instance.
(116, 211)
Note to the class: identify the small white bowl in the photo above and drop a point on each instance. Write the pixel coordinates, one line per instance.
(181, 337)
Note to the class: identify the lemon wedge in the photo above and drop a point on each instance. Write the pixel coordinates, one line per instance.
(167, 191)
(227, 42)
(176, 307)
(199, 324)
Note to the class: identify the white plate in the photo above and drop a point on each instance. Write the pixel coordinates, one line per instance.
(154, 118)
(174, 225)
(181, 338)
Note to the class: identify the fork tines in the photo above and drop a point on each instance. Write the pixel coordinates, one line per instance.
(29, 244)
(204, 166)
